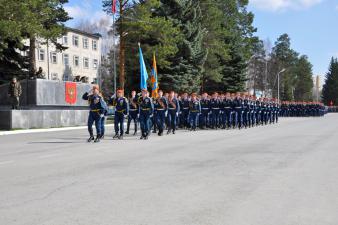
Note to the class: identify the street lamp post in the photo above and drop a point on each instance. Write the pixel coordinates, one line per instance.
(280, 72)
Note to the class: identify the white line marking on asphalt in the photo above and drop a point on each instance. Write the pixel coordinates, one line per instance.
(2, 133)
(6, 162)
(48, 156)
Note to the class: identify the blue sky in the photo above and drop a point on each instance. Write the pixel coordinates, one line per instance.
(311, 24)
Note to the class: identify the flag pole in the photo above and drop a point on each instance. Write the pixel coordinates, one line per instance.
(114, 53)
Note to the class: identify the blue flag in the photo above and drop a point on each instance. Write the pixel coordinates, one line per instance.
(144, 74)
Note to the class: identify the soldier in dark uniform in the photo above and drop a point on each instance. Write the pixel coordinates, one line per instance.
(194, 111)
(227, 104)
(173, 110)
(258, 108)
(252, 107)
(96, 112)
(246, 110)
(184, 106)
(146, 111)
(121, 110)
(161, 108)
(133, 112)
(204, 117)
(215, 111)
(238, 104)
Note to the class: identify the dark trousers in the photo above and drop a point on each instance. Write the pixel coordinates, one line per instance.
(132, 117)
(215, 118)
(94, 117)
(145, 123)
(160, 120)
(193, 116)
(103, 123)
(172, 120)
(227, 120)
(239, 118)
(204, 118)
(184, 118)
(119, 123)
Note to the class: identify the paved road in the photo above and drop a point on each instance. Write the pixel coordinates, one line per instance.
(284, 174)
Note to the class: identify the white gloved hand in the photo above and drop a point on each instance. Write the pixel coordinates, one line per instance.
(101, 115)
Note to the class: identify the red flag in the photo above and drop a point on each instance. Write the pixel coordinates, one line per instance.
(70, 94)
(114, 6)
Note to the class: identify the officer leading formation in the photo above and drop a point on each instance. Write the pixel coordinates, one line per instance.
(170, 112)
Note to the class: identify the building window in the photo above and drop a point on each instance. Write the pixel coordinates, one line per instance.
(41, 55)
(85, 43)
(95, 63)
(75, 40)
(86, 63)
(54, 76)
(94, 45)
(76, 61)
(65, 40)
(53, 57)
(66, 59)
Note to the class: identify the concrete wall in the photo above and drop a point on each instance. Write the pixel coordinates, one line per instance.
(40, 93)
(27, 119)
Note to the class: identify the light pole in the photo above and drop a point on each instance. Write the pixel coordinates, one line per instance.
(280, 72)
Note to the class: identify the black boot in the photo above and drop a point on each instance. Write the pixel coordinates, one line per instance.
(91, 139)
(97, 139)
(116, 136)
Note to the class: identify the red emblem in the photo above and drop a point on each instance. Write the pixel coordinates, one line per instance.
(70, 95)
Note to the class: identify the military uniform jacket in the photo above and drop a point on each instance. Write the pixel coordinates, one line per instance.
(161, 104)
(205, 105)
(146, 106)
(238, 103)
(227, 103)
(195, 106)
(133, 105)
(184, 104)
(121, 105)
(215, 104)
(96, 103)
(173, 105)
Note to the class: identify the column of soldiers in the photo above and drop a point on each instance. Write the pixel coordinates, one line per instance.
(302, 109)
(170, 112)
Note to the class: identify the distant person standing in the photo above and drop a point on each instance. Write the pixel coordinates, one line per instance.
(14, 92)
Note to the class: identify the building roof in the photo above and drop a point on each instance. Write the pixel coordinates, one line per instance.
(96, 35)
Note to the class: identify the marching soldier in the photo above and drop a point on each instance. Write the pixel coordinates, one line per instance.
(161, 108)
(146, 110)
(215, 110)
(184, 106)
(96, 112)
(238, 105)
(121, 110)
(173, 110)
(133, 112)
(204, 117)
(227, 111)
(194, 111)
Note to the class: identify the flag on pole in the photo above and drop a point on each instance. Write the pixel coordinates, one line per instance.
(154, 80)
(114, 6)
(144, 74)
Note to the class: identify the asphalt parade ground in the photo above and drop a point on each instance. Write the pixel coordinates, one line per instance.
(280, 174)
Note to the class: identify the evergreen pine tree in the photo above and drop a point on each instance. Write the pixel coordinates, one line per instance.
(330, 88)
(185, 71)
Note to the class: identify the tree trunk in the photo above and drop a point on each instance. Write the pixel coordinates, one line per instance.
(32, 56)
(122, 48)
